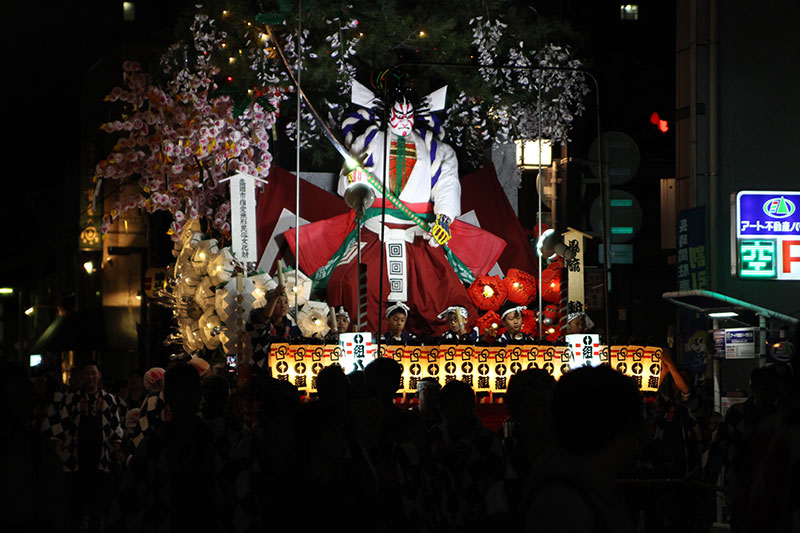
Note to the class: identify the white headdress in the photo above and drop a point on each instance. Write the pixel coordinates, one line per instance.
(453, 309)
(396, 306)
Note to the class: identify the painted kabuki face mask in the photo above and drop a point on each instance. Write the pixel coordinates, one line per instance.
(401, 119)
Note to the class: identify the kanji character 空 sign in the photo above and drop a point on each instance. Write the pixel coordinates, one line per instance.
(768, 234)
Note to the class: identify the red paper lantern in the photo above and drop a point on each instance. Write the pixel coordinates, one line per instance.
(551, 285)
(489, 324)
(521, 287)
(550, 322)
(487, 292)
(529, 324)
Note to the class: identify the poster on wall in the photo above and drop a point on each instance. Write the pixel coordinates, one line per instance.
(740, 343)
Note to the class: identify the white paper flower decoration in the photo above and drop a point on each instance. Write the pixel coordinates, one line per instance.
(204, 295)
(313, 319)
(302, 289)
(262, 285)
(192, 339)
(210, 329)
(221, 266)
(205, 250)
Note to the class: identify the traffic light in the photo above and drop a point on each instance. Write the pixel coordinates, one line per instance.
(661, 124)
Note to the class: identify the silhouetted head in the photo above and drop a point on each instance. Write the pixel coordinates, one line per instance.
(384, 373)
(182, 390)
(457, 405)
(594, 408)
(528, 396)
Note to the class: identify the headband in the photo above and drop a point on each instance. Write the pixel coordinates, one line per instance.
(573, 316)
(396, 306)
(453, 309)
(343, 312)
(423, 384)
(519, 308)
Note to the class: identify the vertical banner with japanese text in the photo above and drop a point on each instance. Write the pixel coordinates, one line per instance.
(243, 218)
(691, 250)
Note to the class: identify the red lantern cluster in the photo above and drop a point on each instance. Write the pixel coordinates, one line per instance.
(487, 293)
(520, 286)
(489, 325)
(550, 323)
(551, 283)
(529, 324)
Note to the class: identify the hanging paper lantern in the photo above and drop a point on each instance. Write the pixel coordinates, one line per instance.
(529, 324)
(487, 293)
(221, 266)
(489, 324)
(313, 319)
(551, 285)
(520, 287)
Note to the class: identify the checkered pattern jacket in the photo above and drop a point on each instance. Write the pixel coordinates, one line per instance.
(63, 420)
(152, 415)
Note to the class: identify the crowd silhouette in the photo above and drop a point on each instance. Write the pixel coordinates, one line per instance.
(192, 449)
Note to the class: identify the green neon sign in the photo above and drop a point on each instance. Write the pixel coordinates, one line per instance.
(757, 259)
(621, 202)
(621, 230)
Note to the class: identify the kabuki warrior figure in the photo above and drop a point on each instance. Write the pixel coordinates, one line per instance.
(428, 254)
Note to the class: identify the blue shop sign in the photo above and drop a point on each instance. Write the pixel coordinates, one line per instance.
(768, 213)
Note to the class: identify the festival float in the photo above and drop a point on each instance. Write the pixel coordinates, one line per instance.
(405, 233)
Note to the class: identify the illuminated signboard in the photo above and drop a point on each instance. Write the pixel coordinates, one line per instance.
(768, 235)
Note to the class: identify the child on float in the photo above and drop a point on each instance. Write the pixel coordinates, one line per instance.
(511, 316)
(339, 324)
(396, 316)
(342, 320)
(456, 317)
(271, 323)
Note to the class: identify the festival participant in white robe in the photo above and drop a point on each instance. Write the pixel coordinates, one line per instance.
(422, 172)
